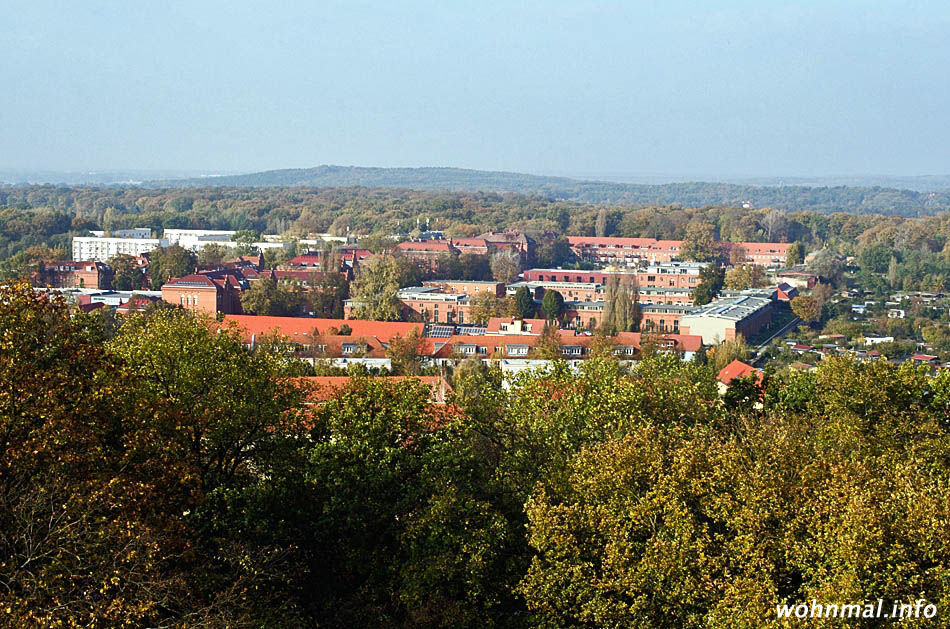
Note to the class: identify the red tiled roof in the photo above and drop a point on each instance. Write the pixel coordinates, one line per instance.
(469, 242)
(327, 387)
(306, 327)
(195, 280)
(923, 357)
(738, 369)
(426, 246)
(682, 342)
(616, 242)
(536, 325)
(490, 342)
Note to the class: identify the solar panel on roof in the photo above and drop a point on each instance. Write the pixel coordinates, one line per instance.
(471, 331)
(440, 332)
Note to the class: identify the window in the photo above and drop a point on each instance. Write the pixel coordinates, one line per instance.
(348, 348)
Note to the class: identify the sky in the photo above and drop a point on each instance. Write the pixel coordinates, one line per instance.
(723, 88)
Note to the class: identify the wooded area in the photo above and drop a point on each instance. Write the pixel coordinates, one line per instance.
(159, 473)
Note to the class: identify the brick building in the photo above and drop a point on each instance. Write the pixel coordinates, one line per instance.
(467, 287)
(476, 246)
(570, 291)
(635, 251)
(660, 275)
(209, 293)
(73, 274)
(426, 303)
(426, 253)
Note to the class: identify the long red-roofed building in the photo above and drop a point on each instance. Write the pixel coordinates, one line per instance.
(302, 330)
(323, 388)
(632, 251)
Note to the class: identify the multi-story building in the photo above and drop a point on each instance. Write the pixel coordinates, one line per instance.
(662, 317)
(73, 274)
(623, 251)
(308, 332)
(428, 304)
(105, 248)
(509, 240)
(426, 253)
(636, 251)
(724, 319)
(476, 246)
(679, 296)
(467, 287)
(208, 293)
(135, 232)
(762, 253)
(195, 239)
(570, 291)
(583, 314)
(659, 275)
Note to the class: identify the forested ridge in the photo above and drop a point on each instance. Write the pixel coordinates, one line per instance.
(825, 199)
(155, 472)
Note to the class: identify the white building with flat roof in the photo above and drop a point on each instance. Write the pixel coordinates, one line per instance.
(136, 232)
(104, 249)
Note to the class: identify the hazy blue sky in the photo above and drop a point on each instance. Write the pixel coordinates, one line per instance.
(745, 88)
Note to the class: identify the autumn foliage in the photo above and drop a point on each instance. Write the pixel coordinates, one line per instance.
(162, 474)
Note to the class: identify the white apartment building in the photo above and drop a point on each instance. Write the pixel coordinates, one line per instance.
(195, 239)
(104, 249)
(137, 232)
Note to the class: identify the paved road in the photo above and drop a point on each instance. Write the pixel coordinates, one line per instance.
(765, 345)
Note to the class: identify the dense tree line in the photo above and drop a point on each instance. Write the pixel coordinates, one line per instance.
(825, 199)
(162, 474)
(48, 215)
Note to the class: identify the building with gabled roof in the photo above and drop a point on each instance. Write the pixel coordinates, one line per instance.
(323, 388)
(302, 330)
(511, 326)
(739, 369)
(209, 292)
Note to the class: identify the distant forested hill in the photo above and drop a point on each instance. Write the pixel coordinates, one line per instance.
(825, 199)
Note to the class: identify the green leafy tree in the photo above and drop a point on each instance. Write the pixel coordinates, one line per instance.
(548, 346)
(745, 276)
(524, 302)
(700, 243)
(506, 265)
(711, 281)
(552, 304)
(554, 253)
(806, 308)
(245, 239)
(828, 264)
(271, 298)
(169, 262)
(214, 254)
(375, 287)
(126, 275)
(795, 254)
(405, 353)
(485, 306)
(875, 258)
